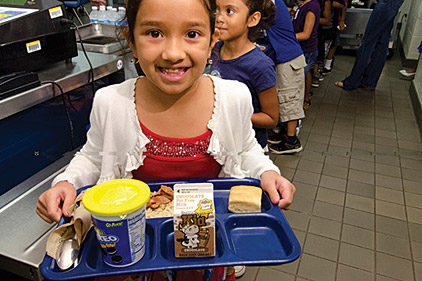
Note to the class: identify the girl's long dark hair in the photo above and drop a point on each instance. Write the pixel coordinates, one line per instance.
(267, 10)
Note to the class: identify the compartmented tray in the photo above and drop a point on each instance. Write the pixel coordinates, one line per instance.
(241, 239)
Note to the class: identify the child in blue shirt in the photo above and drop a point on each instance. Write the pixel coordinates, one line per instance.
(236, 57)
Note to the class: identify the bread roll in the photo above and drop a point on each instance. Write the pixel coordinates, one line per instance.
(245, 199)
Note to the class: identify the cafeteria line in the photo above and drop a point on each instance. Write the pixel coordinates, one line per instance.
(357, 212)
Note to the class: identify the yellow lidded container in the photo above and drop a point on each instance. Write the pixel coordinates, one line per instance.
(117, 210)
(116, 197)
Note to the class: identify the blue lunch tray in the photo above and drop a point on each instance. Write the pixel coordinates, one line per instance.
(241, 239)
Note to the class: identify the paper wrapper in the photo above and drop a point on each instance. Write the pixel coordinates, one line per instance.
(79, 224)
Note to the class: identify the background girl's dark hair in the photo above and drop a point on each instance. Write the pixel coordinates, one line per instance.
(132, 7)
(267, 10)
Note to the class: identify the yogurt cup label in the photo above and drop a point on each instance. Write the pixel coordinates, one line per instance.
(122, 241)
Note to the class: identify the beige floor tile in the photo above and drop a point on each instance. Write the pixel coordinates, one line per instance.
(412, 186)
(387, 159)
(357, 257)
(418, 270)
(390, 182)
(288, 161)
(265, 274)
(384, 278)
(330, 196)
(417, 251)
(335, 171)
(325, 227)
(328, 211)
(361, 165)
(297, 220)
(389, 195)
(412, 174)
(360, 203)
(307, 177)
(358, 236)
(388, 209)
(347, 273)
(337, 160)
(361, 189)
(303, 205)
(361, 176)
(305, 190)
(394, 267)
(393, 245)
(317, 269)
(333, 183)
(387, 170)
(311, 166)
(413, 199)
(414, 215)
(411, 164)
(321, 246)
(393, 227)
(359, 218)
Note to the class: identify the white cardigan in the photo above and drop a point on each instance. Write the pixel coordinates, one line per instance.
(115, 142)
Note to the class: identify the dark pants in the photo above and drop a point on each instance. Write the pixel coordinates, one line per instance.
(372, 53)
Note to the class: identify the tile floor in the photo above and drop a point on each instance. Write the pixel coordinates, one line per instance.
(358, 208)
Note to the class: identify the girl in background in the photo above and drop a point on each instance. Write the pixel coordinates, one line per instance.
(305, 24)
(236, 57)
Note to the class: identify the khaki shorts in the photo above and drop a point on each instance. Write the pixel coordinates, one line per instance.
(291, 89)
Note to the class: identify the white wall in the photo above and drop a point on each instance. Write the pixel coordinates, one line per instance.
(402, 16)
(412, 36)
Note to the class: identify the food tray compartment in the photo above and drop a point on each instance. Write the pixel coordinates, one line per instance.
(243, 232)
(249, 239)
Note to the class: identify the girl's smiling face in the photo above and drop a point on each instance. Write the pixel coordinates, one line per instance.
(234, 20)
(172, 41)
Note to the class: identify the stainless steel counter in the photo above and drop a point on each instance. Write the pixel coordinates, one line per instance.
(69, 76)
(23, 233)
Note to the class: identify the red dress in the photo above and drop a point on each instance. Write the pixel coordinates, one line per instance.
(176, 158)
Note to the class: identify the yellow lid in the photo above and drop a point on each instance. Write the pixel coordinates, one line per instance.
(116, 197)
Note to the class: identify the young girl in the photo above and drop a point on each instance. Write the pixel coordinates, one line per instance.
(305, 24)
(172, 123)
(236, 57)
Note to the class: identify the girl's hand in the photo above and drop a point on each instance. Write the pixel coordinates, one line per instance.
(55, 201)
(341, 25)
(280, 189)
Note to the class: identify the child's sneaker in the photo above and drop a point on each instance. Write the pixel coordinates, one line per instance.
(239, 271)
(326, 71)
(315, 82)
(318, 75)
(276, 135)
(290, 145)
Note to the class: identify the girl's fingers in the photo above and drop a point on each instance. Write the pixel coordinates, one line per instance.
(46, 219)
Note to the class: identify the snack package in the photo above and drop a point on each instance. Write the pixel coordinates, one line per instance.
(194, 220)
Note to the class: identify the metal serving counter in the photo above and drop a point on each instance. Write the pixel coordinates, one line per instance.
(69, 76)
(23, 234)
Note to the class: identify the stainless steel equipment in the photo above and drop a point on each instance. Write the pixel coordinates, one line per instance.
(102, 38)
(356, 20)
